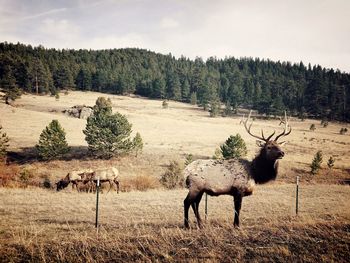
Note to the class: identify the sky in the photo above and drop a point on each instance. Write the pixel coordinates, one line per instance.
(311, 31)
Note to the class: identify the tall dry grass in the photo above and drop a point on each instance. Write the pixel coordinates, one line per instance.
(46, 226)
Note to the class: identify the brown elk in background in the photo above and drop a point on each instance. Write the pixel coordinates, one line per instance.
(235, 177)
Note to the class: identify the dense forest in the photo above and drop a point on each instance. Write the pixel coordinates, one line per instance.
(267, 86)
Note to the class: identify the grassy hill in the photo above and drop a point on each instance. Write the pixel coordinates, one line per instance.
(42, 225)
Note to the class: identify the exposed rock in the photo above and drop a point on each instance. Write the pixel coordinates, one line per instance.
(79, 111)
(85, 112)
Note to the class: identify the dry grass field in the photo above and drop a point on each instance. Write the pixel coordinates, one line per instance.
(39, 225)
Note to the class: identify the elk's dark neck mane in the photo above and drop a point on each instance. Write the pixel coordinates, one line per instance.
(262, 169)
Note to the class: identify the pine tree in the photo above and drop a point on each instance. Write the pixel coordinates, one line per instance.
(137, 143)
(194, 98)
(9, 86)
(52, 142)
(316, 163)
(214, 108)
(234, 147)
(3, 143)
(107, 134)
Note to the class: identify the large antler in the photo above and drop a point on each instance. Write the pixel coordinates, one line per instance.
(255, 136)
(286, 126)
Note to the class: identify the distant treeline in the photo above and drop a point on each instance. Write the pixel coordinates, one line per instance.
(269, 87)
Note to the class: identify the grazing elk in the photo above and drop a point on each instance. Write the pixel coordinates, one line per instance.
(236, 177)
(110, 175)
(73, 177)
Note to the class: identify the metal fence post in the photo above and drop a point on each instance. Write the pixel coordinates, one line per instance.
(97, 201)
(297, 197)
(206, 206)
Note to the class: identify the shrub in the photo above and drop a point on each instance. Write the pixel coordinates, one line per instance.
(107, 134)
(330, 162)
(316, 162)
(343, 131)
(172, 178)
(25, 176)
(217, 154)
(189, 159)
(312, 127)
(165, 104)
(47, 183)
(52, 142)
(214, 108)
(4, 140)
(324, 123)
(234, 147)
(137, 143)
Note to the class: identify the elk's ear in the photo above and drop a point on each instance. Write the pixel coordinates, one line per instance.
(260, 143)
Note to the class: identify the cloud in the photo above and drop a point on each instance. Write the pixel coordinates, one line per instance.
(168, 22)
(59, 33)
(46, 13)
(106, 42)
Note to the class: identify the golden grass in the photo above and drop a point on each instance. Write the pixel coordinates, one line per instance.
(46, 226)
(169, 134)
(38, 225)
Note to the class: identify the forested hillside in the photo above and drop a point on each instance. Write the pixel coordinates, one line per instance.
(269, 87)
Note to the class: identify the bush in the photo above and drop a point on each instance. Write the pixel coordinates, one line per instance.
(107, 134)
(324, 123)
(189, 159)
(312, 127)
(234, 147)
(330, 162)
(343, 131)
(214, 108)
(165, 104)
(47, 183)
(137, 143)
(172, 178)
(4, 140)
(316, 162)
(52, 142)
(217, 154)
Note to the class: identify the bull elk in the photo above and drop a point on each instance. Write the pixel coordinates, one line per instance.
(235, 177)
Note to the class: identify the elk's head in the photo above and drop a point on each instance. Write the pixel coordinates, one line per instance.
(270, 148)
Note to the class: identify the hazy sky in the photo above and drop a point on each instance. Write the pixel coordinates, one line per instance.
(312, 31)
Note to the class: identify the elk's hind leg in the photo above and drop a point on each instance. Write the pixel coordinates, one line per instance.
(238, 204)
(196, 208)
(187, 203)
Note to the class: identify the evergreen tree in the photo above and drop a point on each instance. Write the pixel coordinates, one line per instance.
(9, 86)
(316, 163)
(107, 134)
(185, 91)
(137, 143)
(52, 142)
(214, 108)
(194, 98)
(4, 140)
(83, 79)
(234, 147)
(172, 177)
